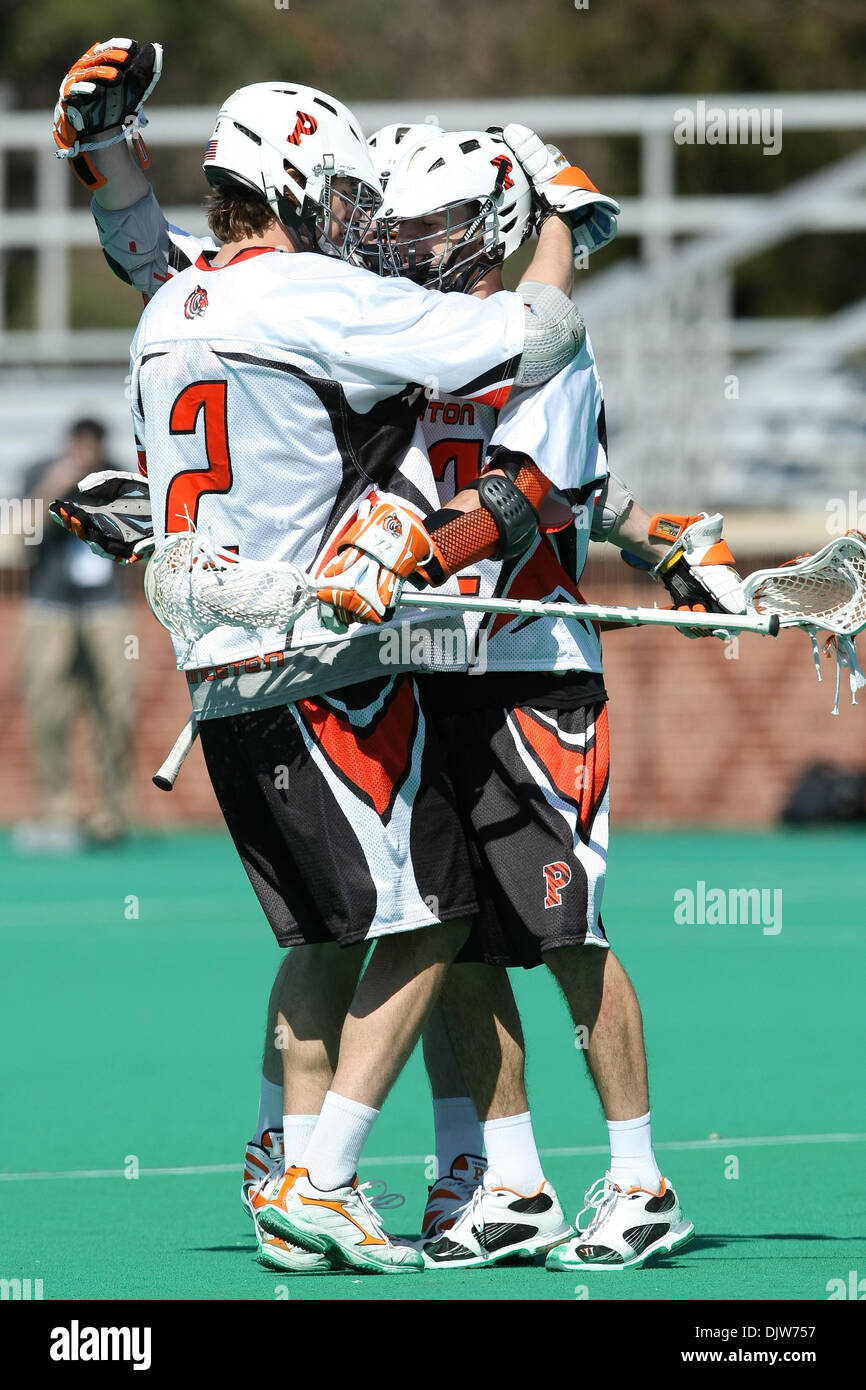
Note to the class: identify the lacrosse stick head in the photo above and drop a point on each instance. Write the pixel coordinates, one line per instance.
(193, 587)
(826, 590)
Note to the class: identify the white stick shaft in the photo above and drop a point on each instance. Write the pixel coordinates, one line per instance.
(599, 613)
(166, 776)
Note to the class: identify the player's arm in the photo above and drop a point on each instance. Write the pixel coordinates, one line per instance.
(687, 553)
(96, 128)
(562, 190)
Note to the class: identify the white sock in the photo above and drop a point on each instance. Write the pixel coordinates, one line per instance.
(333, 1151)
(270, 1107)
(297, 1133)
(511, 1153)
(632, 1161)
(457, 1129)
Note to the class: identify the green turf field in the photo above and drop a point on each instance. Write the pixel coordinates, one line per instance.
(137, 1040)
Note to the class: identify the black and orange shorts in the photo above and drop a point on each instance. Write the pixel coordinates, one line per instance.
(343, 813)
(532, 785)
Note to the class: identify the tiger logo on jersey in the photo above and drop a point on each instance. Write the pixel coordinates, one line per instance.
(304, 125)
(196, 303)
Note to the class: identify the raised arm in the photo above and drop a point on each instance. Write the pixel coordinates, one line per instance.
(96, 127)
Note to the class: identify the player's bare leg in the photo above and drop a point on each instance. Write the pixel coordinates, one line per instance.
(310, 998)
(511, 1209)
(457, 1129)
(458, 1134)
(636, 1215)
(391, 1006)
(319, 1207)
(311, 993)
(602, 1000)
(484, 1026)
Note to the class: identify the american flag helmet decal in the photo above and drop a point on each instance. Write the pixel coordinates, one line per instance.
(210, 152)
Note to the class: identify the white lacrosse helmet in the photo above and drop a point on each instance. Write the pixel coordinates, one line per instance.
(290, 144)
(473, 181)
(391, 143)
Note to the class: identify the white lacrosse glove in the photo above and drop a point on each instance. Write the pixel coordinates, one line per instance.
(110, 511)
(558, 186)
(699, 570)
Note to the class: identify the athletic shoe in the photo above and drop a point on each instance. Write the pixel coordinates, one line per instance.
(497, 1223)
(629, 1228)
(276, 1253)
(261, 1163)
(449, 1194)
(342, 1224)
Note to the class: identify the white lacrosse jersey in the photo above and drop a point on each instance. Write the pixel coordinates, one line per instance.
(269, 395)
(560, 425)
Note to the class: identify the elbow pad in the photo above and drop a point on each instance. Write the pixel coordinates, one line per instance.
(142, 226)
(611, 508)
(554, 333)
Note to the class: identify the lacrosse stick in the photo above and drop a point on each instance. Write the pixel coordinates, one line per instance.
(193, 588)
(825, 591)
(166, 776)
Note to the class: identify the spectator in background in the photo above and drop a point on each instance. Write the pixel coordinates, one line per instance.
(76, 619)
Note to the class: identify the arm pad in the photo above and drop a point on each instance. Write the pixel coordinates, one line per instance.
(503, 527)
(611, 508)
(143, 226)
(555, 332)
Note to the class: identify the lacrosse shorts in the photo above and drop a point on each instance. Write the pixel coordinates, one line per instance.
(532, 785)
(343, 814)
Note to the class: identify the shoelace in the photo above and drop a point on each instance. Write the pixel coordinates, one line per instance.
(371, 1213)
(473, 1206)
(382, 1200)
(601, 1198)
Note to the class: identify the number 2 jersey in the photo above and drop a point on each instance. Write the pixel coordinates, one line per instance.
(292, 507)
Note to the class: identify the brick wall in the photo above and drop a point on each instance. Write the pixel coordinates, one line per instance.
(702, 732)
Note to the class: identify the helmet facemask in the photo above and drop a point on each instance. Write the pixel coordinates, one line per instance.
(450, 248)
(338, 223)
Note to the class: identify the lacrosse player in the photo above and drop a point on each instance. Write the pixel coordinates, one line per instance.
(529, 751)
(288, 377)
(467, 441)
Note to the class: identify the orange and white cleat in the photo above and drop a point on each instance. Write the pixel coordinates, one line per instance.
(341, 1224)
(276, 1253)
(629, 1227)
(448, 1194)
(261, 1163)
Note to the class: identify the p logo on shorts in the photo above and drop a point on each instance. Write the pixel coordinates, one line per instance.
(556, 877)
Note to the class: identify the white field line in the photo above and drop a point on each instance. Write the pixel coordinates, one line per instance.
(752, 1141)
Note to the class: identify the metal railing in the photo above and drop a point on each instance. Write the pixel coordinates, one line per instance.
(662, 322)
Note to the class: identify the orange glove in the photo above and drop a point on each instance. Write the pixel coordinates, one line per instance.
(106, 87)
(382, 547)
